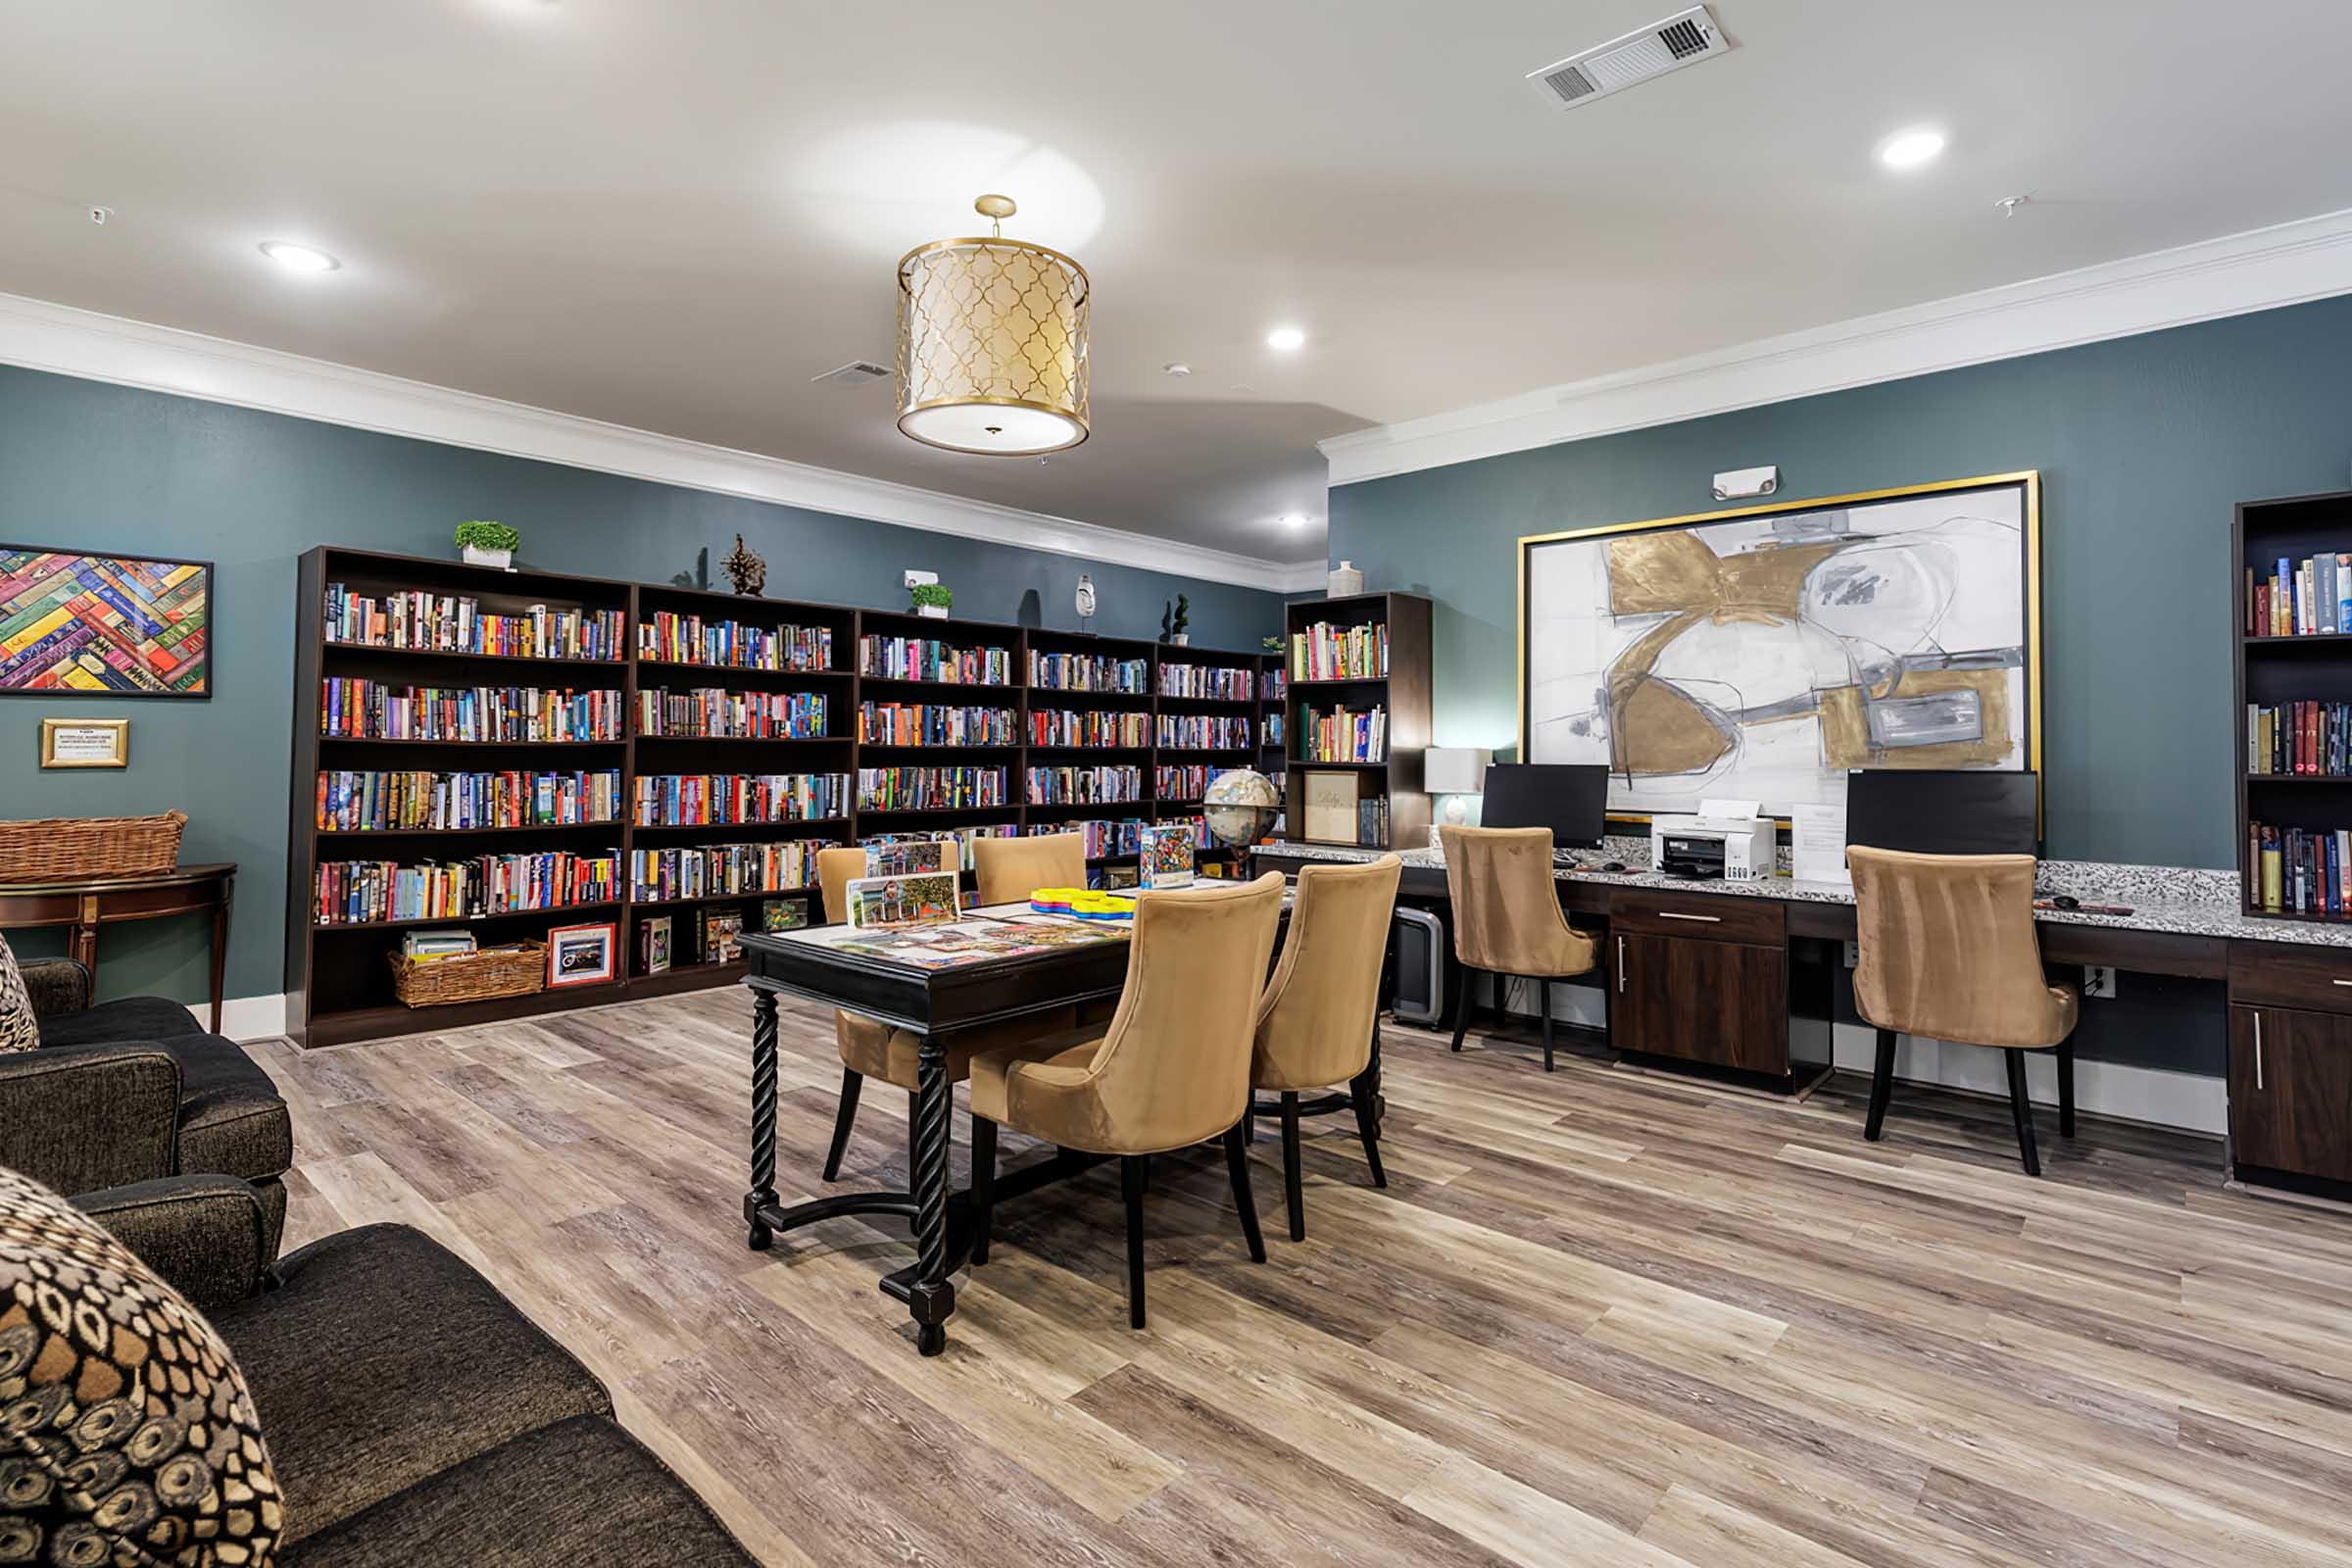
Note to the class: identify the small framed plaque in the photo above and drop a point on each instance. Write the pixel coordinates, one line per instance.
(85, 743)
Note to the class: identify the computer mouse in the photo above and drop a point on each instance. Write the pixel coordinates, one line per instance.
(1614, 865)
(2066, 901)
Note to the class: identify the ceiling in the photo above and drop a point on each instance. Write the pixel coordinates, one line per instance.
(673, 215)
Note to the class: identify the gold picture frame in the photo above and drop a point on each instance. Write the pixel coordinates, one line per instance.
(85, 743)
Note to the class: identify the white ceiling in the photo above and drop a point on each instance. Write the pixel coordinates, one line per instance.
(672, 216)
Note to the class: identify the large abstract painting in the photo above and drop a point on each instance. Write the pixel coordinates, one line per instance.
(1760, 655)
(79, 624)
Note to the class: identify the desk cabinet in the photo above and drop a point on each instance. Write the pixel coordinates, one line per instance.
(2290, 1091)
(1700, 978)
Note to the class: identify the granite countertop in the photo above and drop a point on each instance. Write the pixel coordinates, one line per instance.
(2187, 901)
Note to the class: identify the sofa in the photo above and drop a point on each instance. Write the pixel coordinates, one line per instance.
(132, 1091)
(413, 1416)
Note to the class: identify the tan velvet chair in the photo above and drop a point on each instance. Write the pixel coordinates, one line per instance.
(1948, 952)
(1171, 1069)
(1009, 870)
(1318, 1023)
(1507, 918)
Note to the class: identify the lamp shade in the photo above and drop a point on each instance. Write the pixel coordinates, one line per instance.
(1454, 769)
(993, 344)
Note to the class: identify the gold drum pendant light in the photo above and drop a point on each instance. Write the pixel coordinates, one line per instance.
(992, 343)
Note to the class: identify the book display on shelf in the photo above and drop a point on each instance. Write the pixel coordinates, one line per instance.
(669, 638)
(1212, 682)
(1357, 706)
(374, 891)
(2308, 738)
(712, 870)
(1339, 735)
(1184, 782)
(2293, 666)
(1109, 785)
(1328, 652)
(930, 658)
(930, 789)
(697, 800)
(2307, 598)
(713, 714)
(936, 724)
(1089, 672)
(368, 709)
(1203, 732)
(456, 624)
(351, 801)
(1065, 729)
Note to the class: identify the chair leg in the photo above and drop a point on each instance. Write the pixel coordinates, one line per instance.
(842, 1120)
(1291, 1189)
(1364, 1096)
(1543, 1006)
(1237, 1167)
(984, 1184)
(2066, 1090)
(1461, 1008)
(2022, 1108)
(1882, 1085)
(1131, 1187)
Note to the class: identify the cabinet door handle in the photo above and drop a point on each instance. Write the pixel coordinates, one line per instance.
(1717, 919)
(2258, 1051)
(2340, 982)
(1620, 966)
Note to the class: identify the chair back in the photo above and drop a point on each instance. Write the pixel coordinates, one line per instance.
(1507, 917)
(1009, 870)
(836, 870)
(1947, 949)
(1314, 1022)
(1174, 1067)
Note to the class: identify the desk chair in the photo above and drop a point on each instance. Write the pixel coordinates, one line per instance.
(1172, 1068)
(1948, 952)
(1318, 1023)
(871, 1049)
(1507, 918)
(1009, 870)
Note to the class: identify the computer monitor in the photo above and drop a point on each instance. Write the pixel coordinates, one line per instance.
(1568, 798)
(1942, 811)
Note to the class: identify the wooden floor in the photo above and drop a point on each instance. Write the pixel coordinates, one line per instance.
(1599, 1318)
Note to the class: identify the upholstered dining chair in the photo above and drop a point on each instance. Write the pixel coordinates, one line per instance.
(1009, 870)
(1949, 953)
(1170, 1070)
(1507, 918)
(872, 1049)
(1318, 1023)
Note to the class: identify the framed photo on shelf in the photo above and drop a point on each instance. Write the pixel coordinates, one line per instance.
(84, 625)
(580, 955)
(652, 941)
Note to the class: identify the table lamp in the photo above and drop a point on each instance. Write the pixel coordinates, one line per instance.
(1456, 772)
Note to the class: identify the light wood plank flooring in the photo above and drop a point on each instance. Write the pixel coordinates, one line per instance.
(1599, 1318)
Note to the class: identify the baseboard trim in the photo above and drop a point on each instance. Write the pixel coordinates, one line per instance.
(244, 1018)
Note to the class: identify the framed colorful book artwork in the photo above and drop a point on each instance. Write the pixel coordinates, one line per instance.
(580, 955)
(74, 624)
(722, 936)
(1167, 860)
(929, 897)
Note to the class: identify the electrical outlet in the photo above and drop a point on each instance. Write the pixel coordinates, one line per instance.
(916, 579)
(1854, 954)
(2098, 981)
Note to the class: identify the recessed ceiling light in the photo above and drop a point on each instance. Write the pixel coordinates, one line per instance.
(298, 257)
(1293, 519)
(1286, 338)
(1908, 149)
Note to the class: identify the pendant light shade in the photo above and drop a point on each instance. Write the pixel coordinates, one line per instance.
(992, 344)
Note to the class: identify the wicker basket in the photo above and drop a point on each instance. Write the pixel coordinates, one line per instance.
(479, 977)
(65, 848)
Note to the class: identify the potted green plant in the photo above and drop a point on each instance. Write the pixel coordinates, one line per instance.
(1180, 622)
(488, 543)
(933, 600)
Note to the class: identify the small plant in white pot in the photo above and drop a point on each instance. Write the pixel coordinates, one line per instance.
(488, 543)
(933, 600)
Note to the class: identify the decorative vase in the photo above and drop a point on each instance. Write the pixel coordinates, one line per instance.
(476, 556)
(1345, 581)
(932, 611)
(1182, 639)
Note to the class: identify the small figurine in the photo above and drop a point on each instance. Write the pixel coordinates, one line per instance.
(747, 571)
(1085, 601)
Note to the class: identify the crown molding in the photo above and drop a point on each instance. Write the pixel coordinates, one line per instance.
(2260, 270)
(42, 336)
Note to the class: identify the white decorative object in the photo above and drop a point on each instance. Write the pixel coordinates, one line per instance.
(1456, 772)
(1345, 581)
(1086, 601)
(476, 556)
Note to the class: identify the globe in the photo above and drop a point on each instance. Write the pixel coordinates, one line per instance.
(1239, 805)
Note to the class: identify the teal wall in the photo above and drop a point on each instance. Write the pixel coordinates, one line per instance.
(104, 468)
(2144, 445)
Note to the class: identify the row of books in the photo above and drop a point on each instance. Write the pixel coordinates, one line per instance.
(1185, 782)
(656, 877)
(2310, 597)
(2293, 870)
(372, 710)
(356, 892)
(389, 802)
(1105, 837)
(1099, 726)
(690, 799)
(929, 658)
(691, 640)
(1080, 786)
(936, 724)
(2307, 737)
(1273, 685)
(453, 624)
(1270, 732)
(1325, 652)
(1206, 680)
(715, 715)
(1344, 735)
(929, 789)
(1200, 733)
(1372, 822)
(1089, 672)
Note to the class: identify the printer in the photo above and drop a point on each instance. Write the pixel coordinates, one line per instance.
(1727, 840)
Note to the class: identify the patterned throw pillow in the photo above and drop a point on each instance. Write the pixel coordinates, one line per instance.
(126, 1434)
(18, 1029)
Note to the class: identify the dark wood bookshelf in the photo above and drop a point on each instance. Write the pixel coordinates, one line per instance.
(1402, 693)
(339, 978)
(2272, 669)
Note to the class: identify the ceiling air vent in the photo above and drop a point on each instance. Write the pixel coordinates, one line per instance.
(1680, 40)
(855, 373)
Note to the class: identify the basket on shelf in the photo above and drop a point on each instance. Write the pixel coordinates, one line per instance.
(63, 849)
(516, 971)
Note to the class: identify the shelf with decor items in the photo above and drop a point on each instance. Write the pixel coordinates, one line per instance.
(1356, 714)
(2293, 671)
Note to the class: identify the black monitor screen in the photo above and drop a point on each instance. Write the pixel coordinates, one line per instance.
(1956, 811)
(1568, 798)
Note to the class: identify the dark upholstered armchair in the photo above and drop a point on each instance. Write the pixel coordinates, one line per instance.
(414, 1416)
(135, 1091)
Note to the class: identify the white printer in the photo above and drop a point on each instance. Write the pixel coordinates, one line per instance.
(1726, 839)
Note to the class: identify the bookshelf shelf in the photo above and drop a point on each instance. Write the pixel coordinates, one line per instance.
(1392, 806)
(2294, 699)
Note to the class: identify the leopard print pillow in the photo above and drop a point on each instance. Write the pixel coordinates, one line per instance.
(128, 1439)
(18, 1029)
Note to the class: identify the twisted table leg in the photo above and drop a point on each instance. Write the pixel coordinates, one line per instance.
(762, 1193)
(933, 1297)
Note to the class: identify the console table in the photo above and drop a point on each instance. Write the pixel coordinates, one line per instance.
(87, 902)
